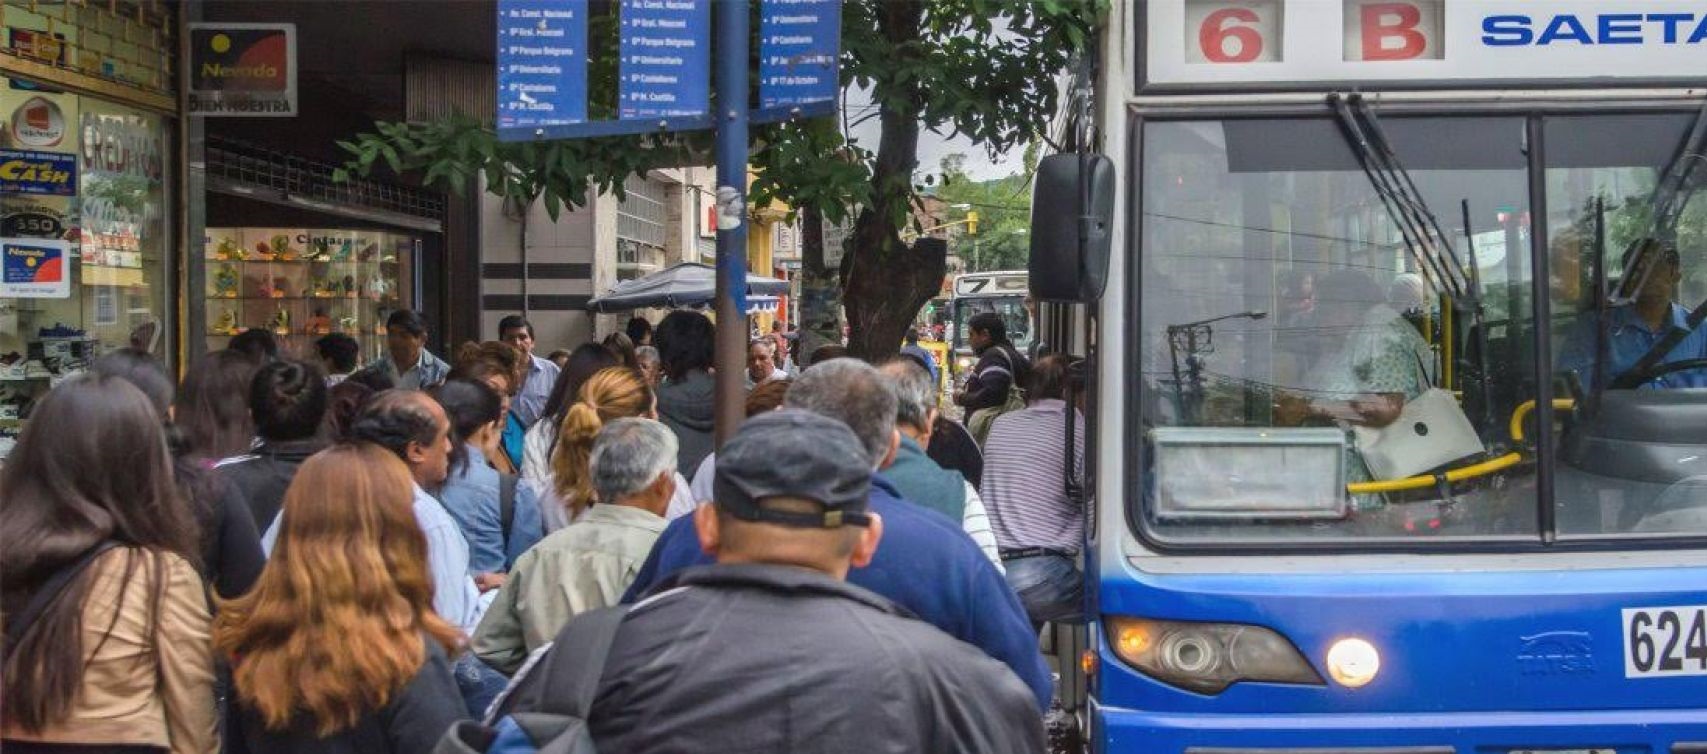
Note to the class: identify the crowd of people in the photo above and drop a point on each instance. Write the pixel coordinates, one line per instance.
(302, 553)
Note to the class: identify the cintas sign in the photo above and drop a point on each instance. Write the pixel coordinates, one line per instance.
(242, 70)
(1413, 43)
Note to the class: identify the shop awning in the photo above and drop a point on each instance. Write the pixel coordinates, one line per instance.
(685, 285)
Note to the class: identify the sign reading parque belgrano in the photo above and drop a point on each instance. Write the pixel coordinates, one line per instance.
(1444, 42)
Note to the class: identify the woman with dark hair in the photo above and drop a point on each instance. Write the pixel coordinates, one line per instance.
(503, 367)
(687, 400)
(287, 400)
(478, 495)
(639, 331)
(344, 402)
(98, 581)
(337, 649)
(213, 407)
(231, 546)
(585, 361)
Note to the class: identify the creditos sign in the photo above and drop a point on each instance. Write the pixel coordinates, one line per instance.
(1293, 43)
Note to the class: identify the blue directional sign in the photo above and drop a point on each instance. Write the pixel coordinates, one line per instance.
(665, 67)
(799, 44)
(542, 63)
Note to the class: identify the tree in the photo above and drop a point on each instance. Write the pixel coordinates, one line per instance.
(1004, 216)
(982, 69)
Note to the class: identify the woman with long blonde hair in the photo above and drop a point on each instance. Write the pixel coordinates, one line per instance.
(610, 394)
(337, 648)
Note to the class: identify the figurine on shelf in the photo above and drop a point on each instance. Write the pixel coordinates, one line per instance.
(227, 324)
(282, 250)
(281, 322)
(227, 250)
(349, 286)
(317, 251)
(322, 288)
(225, 282)
(378, 288)
(348, 324)
(319, 323)
(272, 288)
(368, 252)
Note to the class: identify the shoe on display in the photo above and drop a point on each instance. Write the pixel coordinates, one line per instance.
(34, 369)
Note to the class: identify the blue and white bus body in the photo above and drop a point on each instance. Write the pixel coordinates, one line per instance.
(1482, 645)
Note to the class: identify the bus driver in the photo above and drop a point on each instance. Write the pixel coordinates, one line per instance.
(1634, 329)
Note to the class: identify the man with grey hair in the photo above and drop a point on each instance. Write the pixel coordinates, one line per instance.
(589, 563)
(927, 563)
(921, 479)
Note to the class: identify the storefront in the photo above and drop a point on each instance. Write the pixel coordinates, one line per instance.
(302, 284)
(87, 197)
(125, 223)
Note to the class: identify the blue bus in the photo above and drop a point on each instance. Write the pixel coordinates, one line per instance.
(1398, 406)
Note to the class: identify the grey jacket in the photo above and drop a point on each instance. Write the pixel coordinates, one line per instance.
(688, 407)
(758, 658)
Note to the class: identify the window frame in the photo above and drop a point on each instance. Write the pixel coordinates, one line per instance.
(1547, 537)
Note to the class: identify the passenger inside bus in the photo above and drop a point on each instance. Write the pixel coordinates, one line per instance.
(1633, 329)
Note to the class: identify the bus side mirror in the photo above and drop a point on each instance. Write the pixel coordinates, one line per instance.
(1063, 269)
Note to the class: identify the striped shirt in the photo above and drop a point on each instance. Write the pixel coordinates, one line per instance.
(1023, 489)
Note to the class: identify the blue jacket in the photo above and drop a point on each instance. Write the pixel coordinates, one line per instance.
(926, 564)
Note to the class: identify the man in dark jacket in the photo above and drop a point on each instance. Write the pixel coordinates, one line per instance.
(1000, 365)
(288, 402)
(771, 650)
(927, 564)
(686, 400)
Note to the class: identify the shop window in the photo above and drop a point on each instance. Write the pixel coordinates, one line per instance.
(303, 284)
(83, 238)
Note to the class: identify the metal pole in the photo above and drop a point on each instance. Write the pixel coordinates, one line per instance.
(731, 152)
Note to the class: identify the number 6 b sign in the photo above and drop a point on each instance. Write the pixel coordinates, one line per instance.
(1251, 31)
(1420, 43)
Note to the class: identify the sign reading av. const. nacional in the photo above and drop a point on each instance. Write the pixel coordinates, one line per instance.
(1279, 42)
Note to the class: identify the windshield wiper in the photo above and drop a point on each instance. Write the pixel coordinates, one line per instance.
(1418, 227)
(1427, 242)
(1671, 195)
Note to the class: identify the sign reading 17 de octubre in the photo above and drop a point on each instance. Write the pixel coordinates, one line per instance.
(542, 62)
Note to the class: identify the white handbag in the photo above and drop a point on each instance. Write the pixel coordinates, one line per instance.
(1431, 431)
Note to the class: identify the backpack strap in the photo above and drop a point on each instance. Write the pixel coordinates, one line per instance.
(18, 624)
(507, 504)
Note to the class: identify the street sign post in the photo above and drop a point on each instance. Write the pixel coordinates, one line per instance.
(664, 62)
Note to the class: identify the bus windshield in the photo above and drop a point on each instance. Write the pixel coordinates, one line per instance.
(1312, 369)
(1011, 309)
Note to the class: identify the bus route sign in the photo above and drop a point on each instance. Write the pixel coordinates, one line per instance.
(1308, 43)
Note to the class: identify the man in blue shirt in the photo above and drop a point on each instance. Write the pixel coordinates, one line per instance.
(1631, 331)
(927, 563)
(542, 374)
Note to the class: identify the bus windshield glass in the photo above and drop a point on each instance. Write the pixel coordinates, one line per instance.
(1011, 309)
(1338, 339)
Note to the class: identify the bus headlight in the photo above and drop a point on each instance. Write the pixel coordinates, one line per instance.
(1207, 657)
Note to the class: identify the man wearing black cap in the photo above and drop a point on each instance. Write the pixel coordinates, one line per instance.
(927, 564)
(771, 650)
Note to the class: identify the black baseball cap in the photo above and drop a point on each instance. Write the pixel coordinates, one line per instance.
(797, 454)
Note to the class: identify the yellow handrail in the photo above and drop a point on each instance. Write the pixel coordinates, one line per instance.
(1468, 472)
(1522, 412)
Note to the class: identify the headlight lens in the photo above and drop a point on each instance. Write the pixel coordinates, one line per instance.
(1207, 657)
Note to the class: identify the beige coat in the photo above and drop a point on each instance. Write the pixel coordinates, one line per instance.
(138, 688)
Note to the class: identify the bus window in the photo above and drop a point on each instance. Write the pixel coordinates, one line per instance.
(1014, 313)
(1292, 333)
(1629, 254)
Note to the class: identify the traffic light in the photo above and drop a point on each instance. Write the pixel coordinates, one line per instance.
(972, 223)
